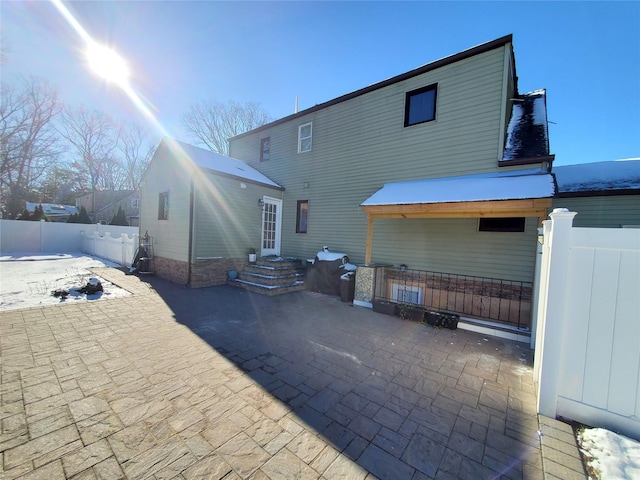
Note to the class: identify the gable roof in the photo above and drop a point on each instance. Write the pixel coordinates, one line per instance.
(517, 185)
(599, 178)
(217, 163)
(477, 50)
(528, 134)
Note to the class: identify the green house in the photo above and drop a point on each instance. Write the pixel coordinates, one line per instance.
(441, 174)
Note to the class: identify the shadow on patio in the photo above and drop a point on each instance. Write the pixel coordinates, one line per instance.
(399, 398)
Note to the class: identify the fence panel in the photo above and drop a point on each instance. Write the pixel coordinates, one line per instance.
(119, 249)
(588, 352)
(111, 242)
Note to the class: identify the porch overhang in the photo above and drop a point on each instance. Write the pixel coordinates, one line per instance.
(533, 207)
(514, 194)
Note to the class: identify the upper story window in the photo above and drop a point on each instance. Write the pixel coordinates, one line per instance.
(420, 105)
(304, 137)
(163, 206)
(135, 202)
(265, 149)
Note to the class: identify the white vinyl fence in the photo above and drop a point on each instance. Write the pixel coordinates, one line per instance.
(111, 242)
(587, 358)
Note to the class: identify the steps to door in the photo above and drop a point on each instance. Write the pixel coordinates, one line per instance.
(272, 276)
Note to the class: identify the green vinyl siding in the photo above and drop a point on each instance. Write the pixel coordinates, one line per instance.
(456, 246)
(227, 216)
(602, 211)
(361, 143)
(171, 237)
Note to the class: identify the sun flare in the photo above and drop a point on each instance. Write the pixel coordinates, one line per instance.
(108, 64)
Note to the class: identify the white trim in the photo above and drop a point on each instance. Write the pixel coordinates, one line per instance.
(396, 288)
(278, 226)
(360, 303)
(309, 137)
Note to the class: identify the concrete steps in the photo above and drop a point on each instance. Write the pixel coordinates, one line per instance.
(272, 276)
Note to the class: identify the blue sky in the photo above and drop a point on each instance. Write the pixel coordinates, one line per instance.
(586, 54)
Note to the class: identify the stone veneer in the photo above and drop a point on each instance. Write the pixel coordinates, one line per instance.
(204, 273)
(213, 271)
(365, 284)
(173, 270)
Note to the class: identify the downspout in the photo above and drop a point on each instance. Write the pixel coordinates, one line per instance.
(191, 208)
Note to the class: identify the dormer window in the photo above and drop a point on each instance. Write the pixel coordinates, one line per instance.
(304, 137)
(420, 105)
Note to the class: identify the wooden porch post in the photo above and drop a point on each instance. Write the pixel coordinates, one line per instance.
(367, 255)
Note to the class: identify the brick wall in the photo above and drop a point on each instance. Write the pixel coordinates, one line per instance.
(173, 270)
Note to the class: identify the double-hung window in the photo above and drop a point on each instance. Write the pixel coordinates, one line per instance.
(265, 149)
(420, 105)
(163, 206)
(304, 137)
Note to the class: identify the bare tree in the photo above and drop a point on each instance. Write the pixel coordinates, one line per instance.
(58, 185)
(28, 140)
(136, 149)
(212, 123)
(93, 137)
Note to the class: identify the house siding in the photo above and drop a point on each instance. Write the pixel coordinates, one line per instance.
(456, 246)
(227, 216)
(171, 237)
(361, 144)
(602, 211)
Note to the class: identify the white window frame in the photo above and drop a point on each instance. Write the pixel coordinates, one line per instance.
(398, 292)
(302, 139)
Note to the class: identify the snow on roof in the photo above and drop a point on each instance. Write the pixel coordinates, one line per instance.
(527, 133)
(221, 163)
(599, 176)
(52, 208)
(515, 185)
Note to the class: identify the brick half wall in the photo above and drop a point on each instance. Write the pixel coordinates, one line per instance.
(213, 271)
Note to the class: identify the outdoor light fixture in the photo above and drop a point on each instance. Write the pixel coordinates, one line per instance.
(261, 202)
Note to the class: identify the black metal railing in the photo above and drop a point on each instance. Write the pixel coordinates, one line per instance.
(503, 301)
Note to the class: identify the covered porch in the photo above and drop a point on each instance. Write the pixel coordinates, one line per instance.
(512, 195)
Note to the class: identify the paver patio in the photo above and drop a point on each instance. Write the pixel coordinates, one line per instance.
(222, 383)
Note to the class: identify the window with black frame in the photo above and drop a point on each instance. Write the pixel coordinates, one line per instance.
(420, 105)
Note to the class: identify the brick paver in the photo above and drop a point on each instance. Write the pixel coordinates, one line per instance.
(222, 383)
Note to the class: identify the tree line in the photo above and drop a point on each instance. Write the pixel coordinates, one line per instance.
(52, 153)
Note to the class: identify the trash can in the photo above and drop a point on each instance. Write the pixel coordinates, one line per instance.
(347, 286)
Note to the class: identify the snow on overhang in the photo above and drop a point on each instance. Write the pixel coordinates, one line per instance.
(599, 176)
(518, 185)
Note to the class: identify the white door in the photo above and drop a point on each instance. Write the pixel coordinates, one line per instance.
(271, 224)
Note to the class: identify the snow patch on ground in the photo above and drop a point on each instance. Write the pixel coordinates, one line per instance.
(28, 279)
(609, 454)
